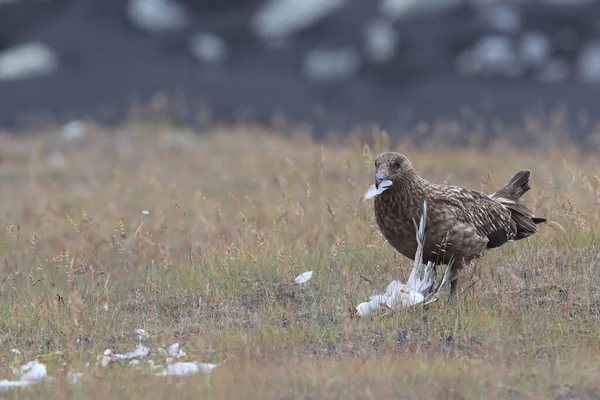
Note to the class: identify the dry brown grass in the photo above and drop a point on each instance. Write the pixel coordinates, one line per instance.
(234, 217)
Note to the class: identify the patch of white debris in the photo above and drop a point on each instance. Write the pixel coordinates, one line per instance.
(28, 373)
(140, 351)
(142, 334)
(175, 352)
(186, 368)
(175, 359)
(174, 364)
(74, 376)
(397, 295)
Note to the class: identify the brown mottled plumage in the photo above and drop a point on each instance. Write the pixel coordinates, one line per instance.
(461, 223)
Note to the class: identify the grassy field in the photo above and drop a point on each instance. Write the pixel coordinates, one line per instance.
(198, 239)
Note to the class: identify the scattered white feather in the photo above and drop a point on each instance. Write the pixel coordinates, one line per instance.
(4, 383)
(15, 351)
(146, 212)
(151, 364)
(33, 371)
(175, 352)
(186, 368)
(397, 296)
(105, 307)
(162, 352)
(107, 358)
(142, 334)
(74, 376)
(303, 277)
(73, 129)
(374, 191)
(140, 351)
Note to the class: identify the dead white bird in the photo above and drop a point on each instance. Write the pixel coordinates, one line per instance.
(420, 287)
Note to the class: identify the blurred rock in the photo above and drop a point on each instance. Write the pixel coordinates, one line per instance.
(208, 47)
(29, 60)
(4, 2)
(381, 40)
(157, 15)
(534, 49)
(588, 67)
(331, 65)
(503, 17)
(555, 70)
(397, 9)
(397, 63)
(73, 130)
(491, 56)
(281, 18)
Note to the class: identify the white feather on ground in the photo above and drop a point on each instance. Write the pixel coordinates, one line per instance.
(35, 371)
(186, 368)
(303, 277)
(140, 351)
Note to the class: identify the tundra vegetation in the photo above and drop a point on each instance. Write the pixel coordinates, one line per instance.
(198, 240)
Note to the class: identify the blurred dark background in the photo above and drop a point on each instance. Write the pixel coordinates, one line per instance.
(332, 64)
